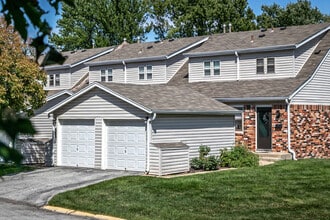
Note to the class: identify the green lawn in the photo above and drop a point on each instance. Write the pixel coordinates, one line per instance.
(7, 169)
(284, 190)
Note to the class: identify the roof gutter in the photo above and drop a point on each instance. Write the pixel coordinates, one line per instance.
(313, 37)
(292, 152)
(180, 112)
(248, 50)
(253, 99)
(93, 57)
(133, 60)
(57, 67)
(187, 48)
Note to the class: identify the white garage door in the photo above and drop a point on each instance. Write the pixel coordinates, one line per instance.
(126, 145)
(78, 143)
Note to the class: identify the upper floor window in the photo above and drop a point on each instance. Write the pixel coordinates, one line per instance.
(212, 68)
(145, 72)
(54, 80)
(270, 65)
(106, 75)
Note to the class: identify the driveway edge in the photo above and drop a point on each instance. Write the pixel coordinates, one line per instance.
(78, 213)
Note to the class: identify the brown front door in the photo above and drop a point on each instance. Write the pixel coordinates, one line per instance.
(264, 128)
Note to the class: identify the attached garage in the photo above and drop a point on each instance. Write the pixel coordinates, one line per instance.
(126, 145)
(77, 143)
(115, 126)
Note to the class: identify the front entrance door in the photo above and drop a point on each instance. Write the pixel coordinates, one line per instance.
(264, 128)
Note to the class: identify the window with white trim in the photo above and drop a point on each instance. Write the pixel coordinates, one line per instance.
(54, 80)
(212, 68)
(145, 72)
(239, 119)
(106, 75)
(267, 68)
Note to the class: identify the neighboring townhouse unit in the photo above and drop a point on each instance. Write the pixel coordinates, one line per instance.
(279, 78)
(143, 63)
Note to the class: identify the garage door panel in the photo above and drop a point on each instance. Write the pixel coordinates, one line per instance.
(78, 143)
(126, 144)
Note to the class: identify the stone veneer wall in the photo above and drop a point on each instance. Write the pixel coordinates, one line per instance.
(310, 130)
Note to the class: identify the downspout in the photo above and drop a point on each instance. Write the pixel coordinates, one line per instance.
(149, 129)
(292, 152)
(237, 61)
(125, 72)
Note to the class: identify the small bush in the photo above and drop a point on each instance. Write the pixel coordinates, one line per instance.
(239, 156)
(205, 162)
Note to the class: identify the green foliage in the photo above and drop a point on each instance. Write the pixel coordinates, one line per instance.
(21, 13)
(7, 169)
(205, 162)
(299, 13)
(11, 125)
(239, 156)
(100, 22)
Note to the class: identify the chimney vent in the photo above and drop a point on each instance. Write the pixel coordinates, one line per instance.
(252, 38)
(138, 39)
(224, 28)
(229, 25)
(125, 40)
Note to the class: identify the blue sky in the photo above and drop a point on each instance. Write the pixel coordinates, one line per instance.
(322, 5)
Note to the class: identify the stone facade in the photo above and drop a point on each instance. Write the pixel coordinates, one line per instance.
(310, 130)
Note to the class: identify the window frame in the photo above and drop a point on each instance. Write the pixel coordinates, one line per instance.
(103, 75)
(214, 68)
(272, 66)
(259, 67)
(141, 73)
(57, 80)
(149, 72)
(207, 69)
(51, 80)
(54, 80)
(109, 75)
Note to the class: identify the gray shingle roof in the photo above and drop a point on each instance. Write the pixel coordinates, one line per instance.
(242, 40)
(164, 98)
(73, 57)
(148, 49)
(263, 88)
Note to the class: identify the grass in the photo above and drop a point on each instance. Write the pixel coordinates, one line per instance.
(7, 169)
(284, 190)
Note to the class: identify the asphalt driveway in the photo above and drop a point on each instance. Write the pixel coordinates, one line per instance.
(38, 187)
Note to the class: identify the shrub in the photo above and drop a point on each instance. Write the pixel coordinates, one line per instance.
(205, 162)
(239, 156)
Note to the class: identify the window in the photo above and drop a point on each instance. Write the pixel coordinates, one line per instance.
(149, 72)
(54, 80)
(216, 68)
(207, 68)
(260, 66)
(239, 118)
(106, 75)
(145, 72)
(270, 65)
(141, 72)
(109, 75)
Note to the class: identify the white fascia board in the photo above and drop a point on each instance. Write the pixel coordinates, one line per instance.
(93, 57)
(251, 99)
(57, 67)
(132, 60)
(311, 78)
(192, 112)
(187, 48)
(59, 94)
(312, 37)
(97, 85)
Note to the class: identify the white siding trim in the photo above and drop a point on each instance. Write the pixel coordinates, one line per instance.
(311, 78)
(104, 151)
(313, 37)
(59, 143)
(92, 57)
(59, 94)
(187, 48)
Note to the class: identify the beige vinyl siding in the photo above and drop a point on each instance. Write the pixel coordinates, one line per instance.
(117, 73)
(283, 65)
(65, 79)
(97, 103)
(77, 73)
(98, 142)
(303, 53)
(317, 90)
(158, 73)
(173, 65)
(228, 69)
(169, 160)
(41, 122)
(217, 132)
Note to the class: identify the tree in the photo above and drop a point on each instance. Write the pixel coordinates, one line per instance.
(101, 23)
(29, 12)
(200, 17)
(21, 90)
(299, 13)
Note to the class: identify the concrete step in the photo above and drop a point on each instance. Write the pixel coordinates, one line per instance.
(274, 156)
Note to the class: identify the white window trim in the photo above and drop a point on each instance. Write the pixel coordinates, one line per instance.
(54, 77)
(265, 66)
(106, 75)
(212, 68)
(145, 72)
